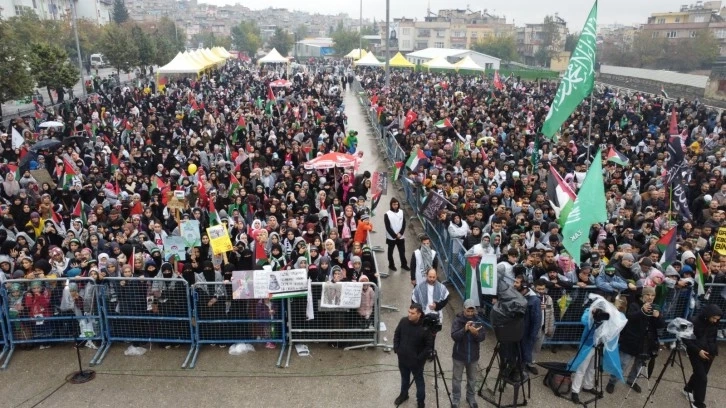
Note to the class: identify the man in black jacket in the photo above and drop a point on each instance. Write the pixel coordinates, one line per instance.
(468, 335)
(702, 350)
(413, 344)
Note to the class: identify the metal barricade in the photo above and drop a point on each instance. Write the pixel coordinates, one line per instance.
(4, 345)
(47, 311)
(147, 310)
(222, 320)
(337, 326)
(717, 296)
(456, 273)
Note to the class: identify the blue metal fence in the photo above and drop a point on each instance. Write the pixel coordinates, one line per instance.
(144, 310)
(4, 344)
(46, 311)
(717, 296)
(229, 321)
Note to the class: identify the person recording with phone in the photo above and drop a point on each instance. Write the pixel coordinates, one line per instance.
(468, 334)
(702, 349)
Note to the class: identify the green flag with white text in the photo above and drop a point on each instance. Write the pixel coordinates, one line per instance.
(588, 209)
(578, 80)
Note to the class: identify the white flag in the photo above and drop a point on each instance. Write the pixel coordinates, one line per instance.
(18, 139)
(310, 312)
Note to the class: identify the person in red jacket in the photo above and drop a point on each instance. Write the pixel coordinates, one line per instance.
(364, 226)
(37, 304)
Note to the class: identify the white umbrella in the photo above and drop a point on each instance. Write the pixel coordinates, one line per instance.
(51, 124)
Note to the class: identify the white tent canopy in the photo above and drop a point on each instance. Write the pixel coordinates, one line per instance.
(273, 57)
(356, 53)
(439, 63)
(369, 60)
(180, 65)
(468, 64)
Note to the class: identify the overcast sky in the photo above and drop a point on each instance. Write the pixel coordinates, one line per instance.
(522, 11)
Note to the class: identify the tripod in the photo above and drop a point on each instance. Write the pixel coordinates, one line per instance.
(671, 360)
(438, 370)
(598, 364)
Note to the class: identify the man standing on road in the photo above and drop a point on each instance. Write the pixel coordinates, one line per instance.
(413, 344)
(467, 334)
(422, 260)
(431, 294)
(395, 222)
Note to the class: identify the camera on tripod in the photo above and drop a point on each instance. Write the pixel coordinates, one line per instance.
(600, 315)
(432, 322)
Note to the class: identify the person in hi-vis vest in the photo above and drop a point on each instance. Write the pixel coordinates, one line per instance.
(422, 260)
(395, 222)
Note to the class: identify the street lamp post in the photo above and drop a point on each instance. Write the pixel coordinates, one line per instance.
(78, 45)
(360, 32)
(388, 43)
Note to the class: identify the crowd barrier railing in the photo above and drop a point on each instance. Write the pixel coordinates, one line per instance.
(348, 328)
(46, 311)
(147, 310)
(4, 344)
(228, 321)
(717, 296)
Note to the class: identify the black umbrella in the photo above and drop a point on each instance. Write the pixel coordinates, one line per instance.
(30, 156)
(79, 140)
(47, 144)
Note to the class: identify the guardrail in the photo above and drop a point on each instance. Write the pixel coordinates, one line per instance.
(47, 311)
(228, 321)
(717, 296)
(333, 323)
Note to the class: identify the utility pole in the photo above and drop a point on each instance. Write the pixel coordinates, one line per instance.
(360, 32)
(78, 45)
(388, 43)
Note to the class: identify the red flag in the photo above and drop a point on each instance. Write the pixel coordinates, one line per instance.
(498, 81)
(411, 117)
(114, 160)
(241, 122)
(116, 188)
(56, 218)
(137, 208)
(68, 168)
(77, 210)
(673, 130)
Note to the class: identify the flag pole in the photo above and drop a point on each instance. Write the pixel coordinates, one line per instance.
(589, 133)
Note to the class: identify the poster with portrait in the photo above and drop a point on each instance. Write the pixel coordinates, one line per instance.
(190, 233)
(331, 295)
(488, 274)
(280, 284)
(174, 246)
(243, 285)
(219, 239)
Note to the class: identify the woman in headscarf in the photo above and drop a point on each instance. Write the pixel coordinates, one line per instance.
(277, 258)
(11, 187)
(58, 261)
(209, 288)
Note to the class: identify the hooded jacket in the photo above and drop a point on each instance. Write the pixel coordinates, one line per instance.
(466, 345)
(704, 333)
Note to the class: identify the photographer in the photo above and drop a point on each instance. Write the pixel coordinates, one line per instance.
(639, 338)
(413, 344)
(467, 334)
(702, 350)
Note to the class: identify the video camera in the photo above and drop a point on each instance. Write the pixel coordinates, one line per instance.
(432, 322)
(600, 315)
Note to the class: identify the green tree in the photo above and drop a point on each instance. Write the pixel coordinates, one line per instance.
(50, 67)
(550, 41)
(301, 32)
(647, 51)
(164, 51)
(246, 37)
(281, 41)
(209, 39)
(15, 79)
(571, 41)
(504, 48)
(28, 26)
(120, 14)
(119, 48)
(706, 47)
(344, 41)
(146, 47)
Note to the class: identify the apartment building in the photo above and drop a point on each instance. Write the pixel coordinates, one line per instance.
(98, 11)
(689, 21)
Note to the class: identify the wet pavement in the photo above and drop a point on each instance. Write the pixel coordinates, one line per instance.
(327, 378)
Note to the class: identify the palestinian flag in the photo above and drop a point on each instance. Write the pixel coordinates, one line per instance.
(617, 157)
(673, 127)
(667, 246)
(194, 108)
(472, 288)
(396, 170)
(15, 170)
(114, 162)
(234, 184)
(560, 195)
(663, 93)
(416, 159)
(70, 172)
(444, 124)
(701, 275)
(498, 81)
(214, 218)
(241, 125)
(79, 211)
(374, 204)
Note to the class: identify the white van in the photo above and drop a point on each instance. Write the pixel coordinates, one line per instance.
(97, 61)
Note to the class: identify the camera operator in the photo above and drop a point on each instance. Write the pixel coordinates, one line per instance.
(639, 338)
(702, 350)
(467, 334)
(413, 343)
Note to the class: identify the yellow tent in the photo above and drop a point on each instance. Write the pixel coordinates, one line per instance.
(399, 61)
(219, 53)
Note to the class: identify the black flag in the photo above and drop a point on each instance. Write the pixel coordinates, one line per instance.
(678, 176)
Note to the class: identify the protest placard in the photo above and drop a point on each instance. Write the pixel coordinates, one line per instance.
(219, 239)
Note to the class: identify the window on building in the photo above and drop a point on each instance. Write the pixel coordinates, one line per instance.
(721, 33)
(438, 44)
(440, 33)
(405, 31)
(699, 19)
(678, 19)
(424, 33)
(421, 45)
(488, 66)
(655, 34)
(672, 34)
(661, 21)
